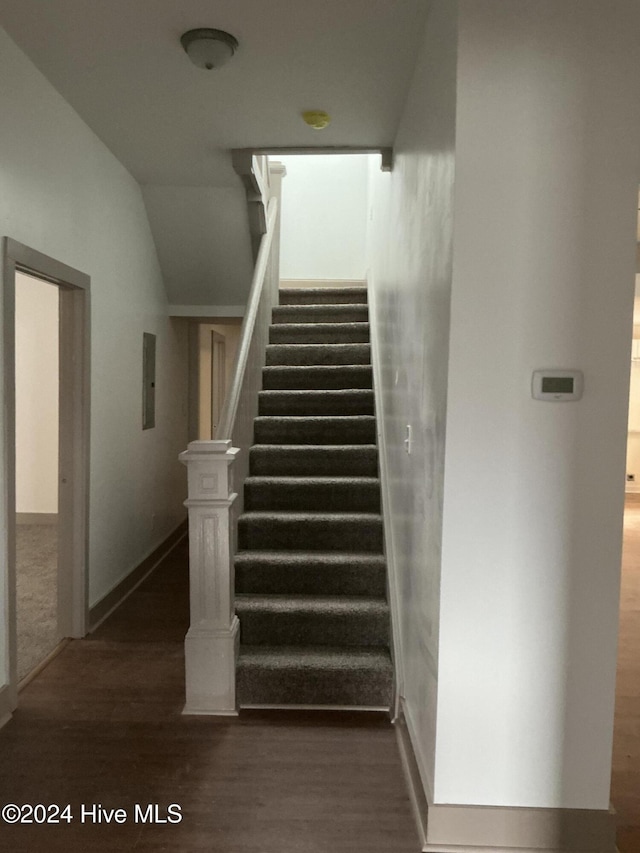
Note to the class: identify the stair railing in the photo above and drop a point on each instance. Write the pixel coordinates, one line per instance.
(241, 403)
(216, 473)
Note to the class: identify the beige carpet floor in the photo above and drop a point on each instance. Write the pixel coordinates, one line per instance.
(37, 559)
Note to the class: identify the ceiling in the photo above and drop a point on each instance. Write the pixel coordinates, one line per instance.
(120, 64)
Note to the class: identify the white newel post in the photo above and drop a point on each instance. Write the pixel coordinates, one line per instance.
(211, 643)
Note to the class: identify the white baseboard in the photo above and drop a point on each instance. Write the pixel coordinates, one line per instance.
(43, 663)
(207, 311)
(102, 609)
(36, 518)
(467, 828)
(419, 802)
(194, 711)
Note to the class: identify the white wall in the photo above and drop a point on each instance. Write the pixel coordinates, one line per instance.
(410, 286)
(547, 163)
(324, 217)
(508, 563)
(36, 396)
(64, 194)
(202, 237)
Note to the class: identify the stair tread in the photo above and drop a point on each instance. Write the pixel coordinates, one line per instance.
(323, 305)
(359, 401)
(313, 657)
(343, 312)
(352, 324)
(313, 460)
(308, 354)
(302, 291)
(335, 418)
(307, 347)
(311, 573)
(324, 480)
(314, 430)
(318, 604)
(293, 557)
(317, 448)
(303, 368)
(319, 392)
(310, 515)
(353, 332)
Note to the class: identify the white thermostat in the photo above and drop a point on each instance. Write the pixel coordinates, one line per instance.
(557, 386)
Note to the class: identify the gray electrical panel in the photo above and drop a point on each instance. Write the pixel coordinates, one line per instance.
(148, 380)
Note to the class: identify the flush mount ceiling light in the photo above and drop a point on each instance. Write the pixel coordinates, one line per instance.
(208, 48)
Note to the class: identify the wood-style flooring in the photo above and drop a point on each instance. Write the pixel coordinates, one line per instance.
(102, 725)
(625, 778)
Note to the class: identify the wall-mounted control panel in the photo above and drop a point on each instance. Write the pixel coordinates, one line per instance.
(557, 386)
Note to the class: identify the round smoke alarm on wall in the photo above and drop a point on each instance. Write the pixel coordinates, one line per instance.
(317, 119)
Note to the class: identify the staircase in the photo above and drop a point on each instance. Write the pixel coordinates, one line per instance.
(310, 571)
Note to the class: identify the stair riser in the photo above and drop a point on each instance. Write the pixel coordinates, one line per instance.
(320, 314)
(319, 333)
(304, 629)
(312, 354)
(324, 461)
(316, 403)
(323, 295)
(276, 579)
(287, 430)
(356, 689)
(321, 378)
(309, 535)
(330, 497)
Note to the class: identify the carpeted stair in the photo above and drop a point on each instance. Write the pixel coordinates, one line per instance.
(310, 570)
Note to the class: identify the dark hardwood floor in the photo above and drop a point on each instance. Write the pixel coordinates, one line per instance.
(102, 725)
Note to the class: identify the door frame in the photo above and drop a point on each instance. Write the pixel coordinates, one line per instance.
(73, 440)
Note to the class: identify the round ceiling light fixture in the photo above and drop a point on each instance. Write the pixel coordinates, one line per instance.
(209, 48)
(317, 119)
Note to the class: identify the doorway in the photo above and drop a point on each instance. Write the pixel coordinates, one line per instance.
(212, 356)
(67, 584)
(36, 441)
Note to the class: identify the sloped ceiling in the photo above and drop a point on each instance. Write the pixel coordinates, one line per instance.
(120, 64)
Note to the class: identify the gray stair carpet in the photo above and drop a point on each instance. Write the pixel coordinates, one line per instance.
(310, 571)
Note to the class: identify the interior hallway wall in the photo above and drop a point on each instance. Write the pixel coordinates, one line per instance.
(65, 195)
(37, 389)
(411, 251)
(507, 537)
(324, 217)
(547, 172)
